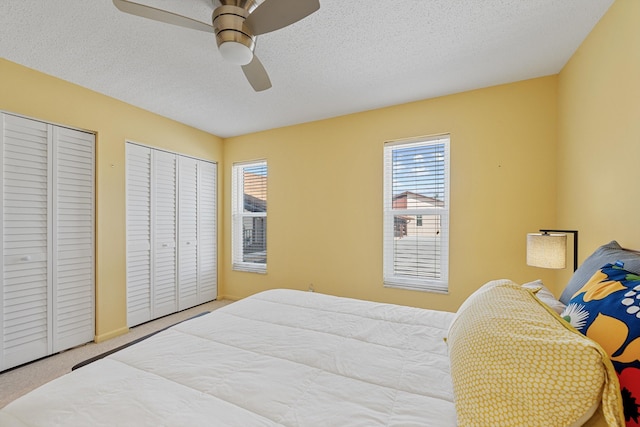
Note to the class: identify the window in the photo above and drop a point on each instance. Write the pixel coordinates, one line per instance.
(416, 214)
(249, 216)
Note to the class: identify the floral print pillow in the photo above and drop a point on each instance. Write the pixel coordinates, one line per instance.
(607, 310)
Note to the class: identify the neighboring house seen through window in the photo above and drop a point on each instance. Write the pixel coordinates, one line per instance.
(416, 214)
(249, 216)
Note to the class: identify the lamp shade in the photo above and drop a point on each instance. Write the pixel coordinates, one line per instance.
(547, 250)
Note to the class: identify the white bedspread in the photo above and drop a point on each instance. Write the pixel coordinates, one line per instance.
(278, 358)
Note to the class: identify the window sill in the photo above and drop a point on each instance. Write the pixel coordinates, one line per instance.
(420, 288)
(250, 268)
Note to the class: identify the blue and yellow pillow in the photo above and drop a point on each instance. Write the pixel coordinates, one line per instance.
(607, 310)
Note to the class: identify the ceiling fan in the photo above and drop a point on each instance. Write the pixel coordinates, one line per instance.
(236, 25)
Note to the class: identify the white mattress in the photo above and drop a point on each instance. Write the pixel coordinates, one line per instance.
(278, 358)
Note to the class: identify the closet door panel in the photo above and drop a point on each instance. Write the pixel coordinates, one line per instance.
(139, 234)
(73, 239)
(188, 233)
(164, 286)
(26, 283)
(207, 232)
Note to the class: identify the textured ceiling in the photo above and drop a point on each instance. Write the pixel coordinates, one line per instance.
(349, 56)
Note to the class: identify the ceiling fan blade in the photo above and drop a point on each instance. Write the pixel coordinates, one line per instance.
(256, 75)
(272, 15)
(161, 15)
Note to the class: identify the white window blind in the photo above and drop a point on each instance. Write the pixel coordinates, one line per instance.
(249, 216)
(416, 213)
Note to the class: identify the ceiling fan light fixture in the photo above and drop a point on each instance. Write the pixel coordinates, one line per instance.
(235, 23)
(236, 53)
(235, 41)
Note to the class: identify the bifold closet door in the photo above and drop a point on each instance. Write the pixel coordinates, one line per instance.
(188, 232)
(47, 260)
(151, 234)
(73, 238)
(164, 226)
(138, 234)
(197, 265)
(171, 233)
(26, 207)
(207, 234)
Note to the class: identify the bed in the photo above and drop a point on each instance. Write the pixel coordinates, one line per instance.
(278, 358)
(293, 358)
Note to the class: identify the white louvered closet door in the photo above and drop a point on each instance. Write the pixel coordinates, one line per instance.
(138, 234)
(73, 238)
(26, 282)
(171, 233)
(188, 233)
(207, 235)
(47, 259)
(164, 226)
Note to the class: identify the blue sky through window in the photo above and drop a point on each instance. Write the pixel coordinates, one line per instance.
(419, 169)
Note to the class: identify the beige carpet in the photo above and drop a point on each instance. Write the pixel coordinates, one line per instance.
(18, 381)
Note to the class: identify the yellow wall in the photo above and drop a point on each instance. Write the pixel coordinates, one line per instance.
(325, 193)
(30, 93)
(599, 134)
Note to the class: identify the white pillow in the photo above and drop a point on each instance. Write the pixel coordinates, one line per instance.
(545, 295)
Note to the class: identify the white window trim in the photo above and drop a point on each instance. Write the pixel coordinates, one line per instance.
(238, 214)
(390, 279)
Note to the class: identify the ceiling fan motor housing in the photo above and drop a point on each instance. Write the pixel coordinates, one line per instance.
(235, 41)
